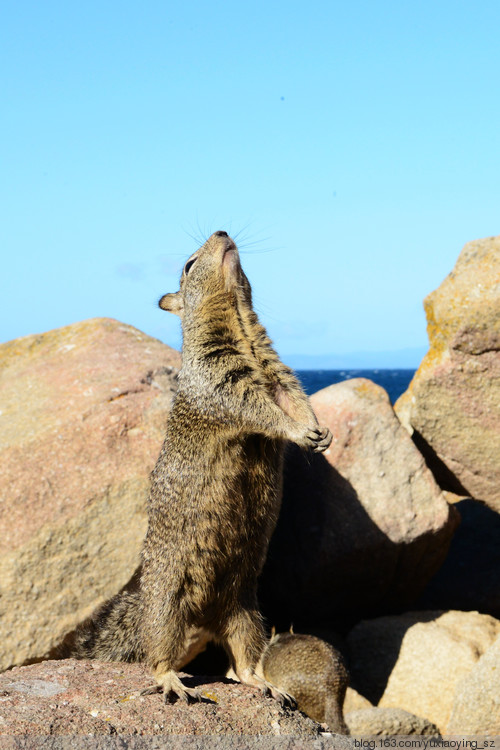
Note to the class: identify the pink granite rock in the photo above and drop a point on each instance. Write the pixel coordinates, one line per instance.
(78, 698)
(82, 418)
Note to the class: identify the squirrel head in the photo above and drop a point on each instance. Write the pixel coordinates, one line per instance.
(213, 269)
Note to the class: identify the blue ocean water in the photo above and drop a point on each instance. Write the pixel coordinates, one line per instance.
(395, 382)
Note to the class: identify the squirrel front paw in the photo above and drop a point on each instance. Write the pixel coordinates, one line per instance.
(318, 438)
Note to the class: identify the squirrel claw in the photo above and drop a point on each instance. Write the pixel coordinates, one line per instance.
(319, 439)
(151, 690)
(284, 699)
(172, 688)
(188, 695)
(324, 441)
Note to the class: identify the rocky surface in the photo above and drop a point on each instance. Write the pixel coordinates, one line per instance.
(362, 528)
(82, 421)
(453, 403)
(415, 661)
(476, 703)
(61, 698)
(386, 722)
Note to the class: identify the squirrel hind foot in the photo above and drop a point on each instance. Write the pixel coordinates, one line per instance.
(249, 677)
(173, 688)
(284, 699)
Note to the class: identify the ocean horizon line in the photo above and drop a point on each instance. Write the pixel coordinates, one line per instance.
(394, 380)
(357, 368)
(399, 359)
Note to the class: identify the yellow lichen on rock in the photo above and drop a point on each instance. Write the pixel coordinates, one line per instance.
(453, 401)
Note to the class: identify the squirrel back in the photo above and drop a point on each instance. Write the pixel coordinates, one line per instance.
(311, 670)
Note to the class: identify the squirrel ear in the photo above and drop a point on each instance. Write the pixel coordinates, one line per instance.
(172, 303)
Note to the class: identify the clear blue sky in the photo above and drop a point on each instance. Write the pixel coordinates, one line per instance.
(355, 146)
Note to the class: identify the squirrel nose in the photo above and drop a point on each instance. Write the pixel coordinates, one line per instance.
(221, 233)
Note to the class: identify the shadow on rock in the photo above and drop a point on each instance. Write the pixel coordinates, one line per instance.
(470, 576)
(329, 564)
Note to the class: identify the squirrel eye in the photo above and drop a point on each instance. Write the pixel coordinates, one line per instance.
(188, 266)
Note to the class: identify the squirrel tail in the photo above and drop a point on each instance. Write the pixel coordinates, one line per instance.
(111, 633)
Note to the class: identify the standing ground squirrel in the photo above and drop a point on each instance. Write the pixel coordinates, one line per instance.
(312, 671)
(216, 487)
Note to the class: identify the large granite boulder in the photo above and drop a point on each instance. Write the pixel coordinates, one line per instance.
(363, 527)
(476, 703)
(416, 661)
(82, 417)
(74, 699)
(452, 406)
